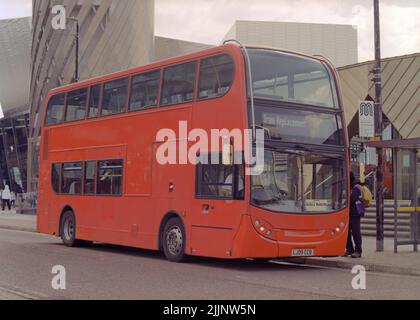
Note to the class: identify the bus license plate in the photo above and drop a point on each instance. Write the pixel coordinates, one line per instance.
(303, 252)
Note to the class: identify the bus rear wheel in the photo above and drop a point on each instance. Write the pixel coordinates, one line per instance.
(68, 231)
(173, 239)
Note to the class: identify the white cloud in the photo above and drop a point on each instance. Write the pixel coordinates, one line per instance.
(16, 8)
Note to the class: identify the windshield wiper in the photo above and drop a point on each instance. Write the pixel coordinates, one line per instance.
(308, 149)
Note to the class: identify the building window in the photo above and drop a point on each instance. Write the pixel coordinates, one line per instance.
(76, 105)
(71, 178)
(55, 177)
(144, 90)
(55, 109)
(220, 181)
(95, 93)
(178, 84)
(89, 183)
(114, 97)
(110, 174)
(216, 76)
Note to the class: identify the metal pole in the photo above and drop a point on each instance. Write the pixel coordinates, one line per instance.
(395, 194)
(77, 52)
(379, 129)
(415, 214)
(76, 73)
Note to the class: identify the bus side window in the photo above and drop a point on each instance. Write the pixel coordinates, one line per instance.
(71, 178)
(89, 183)
(110, 174)
(178, 84)
(95, 93)
(55, 109)
(144, 90)
(216, 76)
(114, 97)
(214, 181)
(55, 177)
(219, 180)
(76, 105)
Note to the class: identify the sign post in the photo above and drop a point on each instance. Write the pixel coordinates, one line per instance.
(377, 71)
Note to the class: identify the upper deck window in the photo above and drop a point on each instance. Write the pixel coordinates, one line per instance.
(76, 105)
(216, 76)
(114, 97)
(55, 109)
(95, 94)
(178, 84)
(291, 78)
(144, 90)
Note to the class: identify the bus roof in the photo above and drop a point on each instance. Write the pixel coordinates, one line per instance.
(228, 47)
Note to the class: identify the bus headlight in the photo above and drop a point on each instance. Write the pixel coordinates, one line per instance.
(264, 228)
(338, 229)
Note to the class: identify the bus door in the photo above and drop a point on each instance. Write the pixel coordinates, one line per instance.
(217, 208)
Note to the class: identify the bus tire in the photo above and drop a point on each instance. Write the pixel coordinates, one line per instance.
(173, 240)
(68, 230)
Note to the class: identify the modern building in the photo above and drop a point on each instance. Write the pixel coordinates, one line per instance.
(114, 35)
(335, 41)
(15, 46)
(167, 48)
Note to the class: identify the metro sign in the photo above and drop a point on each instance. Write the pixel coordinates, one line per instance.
(366, 119)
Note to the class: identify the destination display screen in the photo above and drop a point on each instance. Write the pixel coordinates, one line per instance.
(300, 126)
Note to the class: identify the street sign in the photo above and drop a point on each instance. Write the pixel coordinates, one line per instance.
(366, 119)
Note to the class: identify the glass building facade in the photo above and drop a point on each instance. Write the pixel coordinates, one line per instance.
(14, 151)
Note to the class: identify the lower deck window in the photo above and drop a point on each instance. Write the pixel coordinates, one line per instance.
(55, 177)
(109, 180)
(220, 181)
(71, 179)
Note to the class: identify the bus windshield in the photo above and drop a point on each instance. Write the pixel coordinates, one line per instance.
(291, 78)
(300, 182)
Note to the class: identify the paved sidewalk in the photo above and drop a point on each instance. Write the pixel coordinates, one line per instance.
(11, 220)
(404, 262)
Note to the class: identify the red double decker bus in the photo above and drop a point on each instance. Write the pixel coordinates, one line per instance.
(101, 179)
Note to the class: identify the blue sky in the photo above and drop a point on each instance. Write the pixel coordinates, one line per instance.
(400, 19)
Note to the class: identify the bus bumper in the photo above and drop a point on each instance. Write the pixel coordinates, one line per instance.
(248, 243)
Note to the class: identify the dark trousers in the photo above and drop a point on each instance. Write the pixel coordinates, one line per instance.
(354, 231)
(4, 202)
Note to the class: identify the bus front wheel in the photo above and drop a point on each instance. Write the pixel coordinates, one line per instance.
(174, 240)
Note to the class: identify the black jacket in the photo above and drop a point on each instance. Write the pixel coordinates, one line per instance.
(355, 194)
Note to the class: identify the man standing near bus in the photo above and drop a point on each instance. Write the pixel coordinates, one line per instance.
(357, 211)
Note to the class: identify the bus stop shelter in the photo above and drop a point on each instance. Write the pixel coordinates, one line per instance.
(406, 188)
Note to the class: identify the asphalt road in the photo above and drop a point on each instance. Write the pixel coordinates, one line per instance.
(111, 272)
